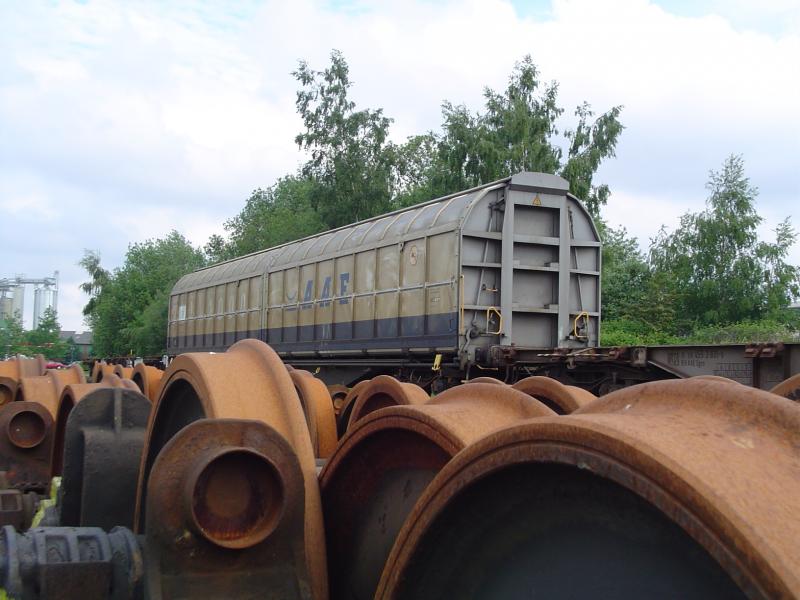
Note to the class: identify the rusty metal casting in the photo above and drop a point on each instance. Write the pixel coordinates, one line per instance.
(338, 393)
(249, 381)
(103, 438)
(12, 370)
(347, 406)
(70, 396)
(563, 399)
(384, 391)
(96, 366)
(123, 372)
(384, 463)
(225, 515)
(148, 379)
(318, 410)
(100, 371)
(788, 388)
(491, 380)
(26, 445)
(715, 378)
(8, 389)
(65, 563)
(673, 489)
(46, 389)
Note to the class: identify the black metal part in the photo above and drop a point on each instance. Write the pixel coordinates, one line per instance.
(67, 563)
(17, 508)
(102, 451)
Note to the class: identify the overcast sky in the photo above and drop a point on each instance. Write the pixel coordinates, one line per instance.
(122, 120)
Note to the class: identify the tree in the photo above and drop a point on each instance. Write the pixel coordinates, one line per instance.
(721, 272)
(350, 156)
(12, 335)
(278, 214)
(516, 132)
(130, 312)
(98, 278)
(45, 338)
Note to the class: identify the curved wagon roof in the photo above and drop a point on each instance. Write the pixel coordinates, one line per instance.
(440, 214)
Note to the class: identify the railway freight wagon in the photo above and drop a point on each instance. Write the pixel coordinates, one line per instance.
(447, 285)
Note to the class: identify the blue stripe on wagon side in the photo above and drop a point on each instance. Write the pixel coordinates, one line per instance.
(422, 331)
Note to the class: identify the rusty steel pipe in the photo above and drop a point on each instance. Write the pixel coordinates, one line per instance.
(383, 391)
(384, 463)
(318, 409)
(563, 399)
(249, 381)
(690, 489)
(148, 380)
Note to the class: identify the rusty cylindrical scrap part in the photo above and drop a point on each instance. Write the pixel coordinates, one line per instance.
(347, 406)
(249, 381)
(318, 410)
(338, 393)
(123, 372)
(148, 379)
(700, 481)
(225, 515)
(100, 371)
(491, 380)
(384, 391)
(13, 370)
(103, 438)
(26, 445)
(46, 389)
(385, 462)
(788, 388)
(70, 396)
(563, 399)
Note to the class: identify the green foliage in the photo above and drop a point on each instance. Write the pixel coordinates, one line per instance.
(590, 144)
(279, 214)
(633, 332)
(129, 313)
(350, 156)
(98, 277)
(765, 330)
(45, 338)
(517, 131)
(720, 270)
(12, 335)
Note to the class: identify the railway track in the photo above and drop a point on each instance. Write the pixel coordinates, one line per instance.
(233, 475)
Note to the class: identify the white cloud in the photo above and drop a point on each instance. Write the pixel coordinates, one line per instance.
(121, 121)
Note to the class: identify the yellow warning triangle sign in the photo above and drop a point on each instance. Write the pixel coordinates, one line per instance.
(537, 201)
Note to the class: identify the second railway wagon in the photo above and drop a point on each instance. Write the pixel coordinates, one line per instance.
(513, 264)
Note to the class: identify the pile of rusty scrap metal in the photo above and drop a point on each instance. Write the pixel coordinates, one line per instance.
(233, 475)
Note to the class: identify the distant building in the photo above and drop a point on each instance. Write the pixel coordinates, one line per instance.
(82, 341)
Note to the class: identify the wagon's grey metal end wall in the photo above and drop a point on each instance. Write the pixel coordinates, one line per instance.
(515, 262)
